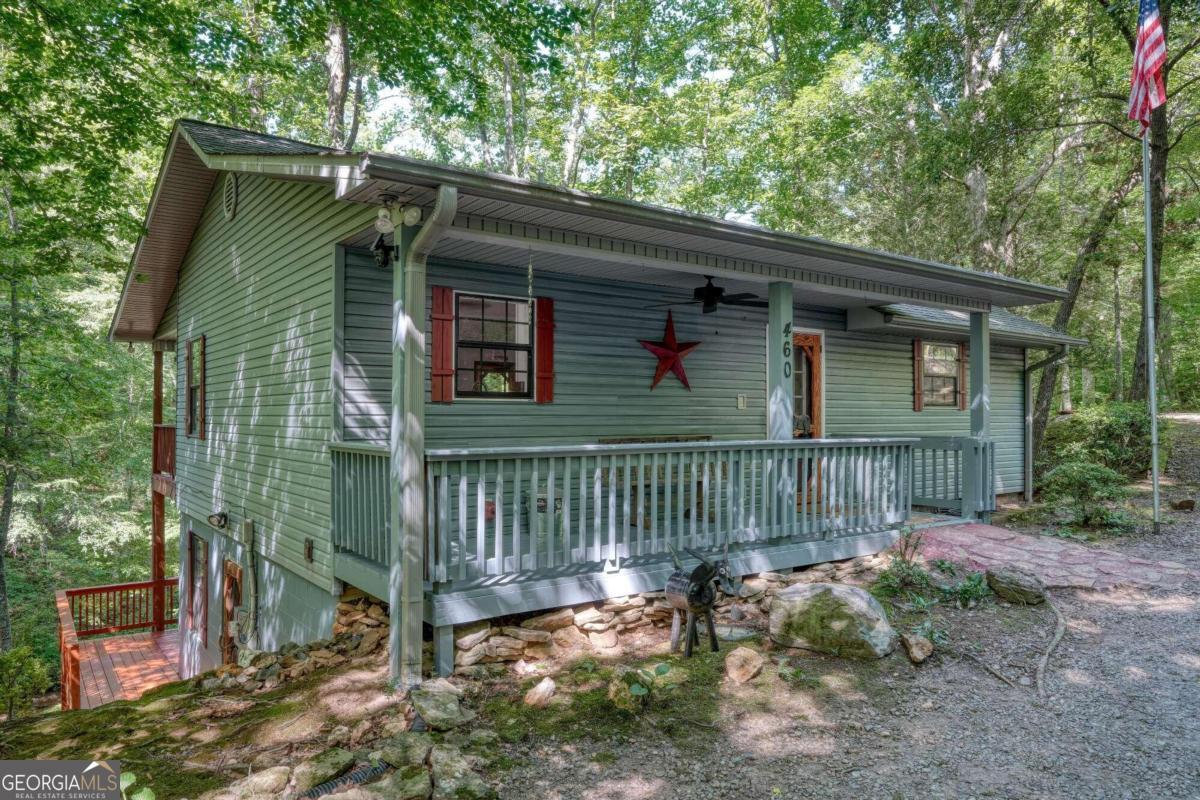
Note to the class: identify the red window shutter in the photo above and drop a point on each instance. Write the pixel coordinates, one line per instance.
(544, 350)
(963, 352)
(918, 376)
(442, 389)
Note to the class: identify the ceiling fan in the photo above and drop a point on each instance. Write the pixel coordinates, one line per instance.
(710, 297)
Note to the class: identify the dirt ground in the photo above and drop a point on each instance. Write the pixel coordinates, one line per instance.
(1120, 719)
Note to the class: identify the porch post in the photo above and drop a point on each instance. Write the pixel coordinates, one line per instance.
(406, 440)
(981, 411)
(157, 511)
(781, 400)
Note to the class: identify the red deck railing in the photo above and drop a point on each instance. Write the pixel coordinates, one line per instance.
(164, 450)
(100, 610)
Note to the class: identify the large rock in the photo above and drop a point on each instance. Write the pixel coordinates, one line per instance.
(453, 778)
(268, 782)
(919, 648)
(571, 640)
(1017, 585)
(407, 749)
(406, 783)
(590, 615)
(331, 764)
(467, 636)
(439, 707)
(831, 618)
(526, 634)
(552, 621)
(743, 664)
(539, 696)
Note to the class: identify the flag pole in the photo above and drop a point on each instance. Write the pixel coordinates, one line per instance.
(1148, 310)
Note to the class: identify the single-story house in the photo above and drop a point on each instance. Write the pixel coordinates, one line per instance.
(473, 395)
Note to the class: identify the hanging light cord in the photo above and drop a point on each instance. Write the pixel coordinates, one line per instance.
(529, 276)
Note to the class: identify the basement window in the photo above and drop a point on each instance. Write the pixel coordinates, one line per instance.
(493, 348)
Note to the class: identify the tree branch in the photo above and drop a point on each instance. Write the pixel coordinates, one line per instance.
(1122, 26)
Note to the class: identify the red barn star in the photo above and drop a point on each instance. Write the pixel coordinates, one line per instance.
(670, 354)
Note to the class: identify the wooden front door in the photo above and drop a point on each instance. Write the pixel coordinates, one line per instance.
(231, 594)
(807, 386)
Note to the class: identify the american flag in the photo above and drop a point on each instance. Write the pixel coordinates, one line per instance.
(1146, 90)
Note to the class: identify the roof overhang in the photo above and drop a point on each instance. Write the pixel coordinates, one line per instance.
(511, 199)
(503, 219)
(1005, 328)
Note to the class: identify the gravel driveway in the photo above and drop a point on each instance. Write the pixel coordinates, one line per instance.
(1121, 716)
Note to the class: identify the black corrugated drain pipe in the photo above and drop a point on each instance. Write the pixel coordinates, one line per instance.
(356, 777)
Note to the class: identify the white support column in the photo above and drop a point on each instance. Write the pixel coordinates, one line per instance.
(980, 396)
(406, 442)
(781, 400)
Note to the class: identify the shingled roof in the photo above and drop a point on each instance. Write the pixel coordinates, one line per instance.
(222, 140)
(1004, 324)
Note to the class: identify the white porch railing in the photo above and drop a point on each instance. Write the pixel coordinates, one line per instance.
(501, 511)
(941, 473)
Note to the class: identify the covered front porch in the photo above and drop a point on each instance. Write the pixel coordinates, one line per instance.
(452, 534)
(519, 529)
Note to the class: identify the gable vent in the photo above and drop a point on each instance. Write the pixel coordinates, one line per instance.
(229, 195)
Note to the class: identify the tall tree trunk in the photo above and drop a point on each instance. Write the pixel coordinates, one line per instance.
(355, 113)
(1118, 344)
(485, 145)
(337, 67)
(1064, 403)
(9, 451)
(1083, 259)
(256, 82)
(510, 144)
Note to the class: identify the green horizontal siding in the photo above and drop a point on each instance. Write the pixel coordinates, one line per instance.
(869, 389)
(603, 374)
(260, 289)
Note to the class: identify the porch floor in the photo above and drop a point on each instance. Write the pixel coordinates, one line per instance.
(126, 667)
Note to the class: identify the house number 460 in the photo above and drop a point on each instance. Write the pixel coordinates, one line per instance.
(787, 350)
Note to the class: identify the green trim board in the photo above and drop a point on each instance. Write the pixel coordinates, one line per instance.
(495, 599)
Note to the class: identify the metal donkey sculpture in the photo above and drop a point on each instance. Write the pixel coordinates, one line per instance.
(693, 594)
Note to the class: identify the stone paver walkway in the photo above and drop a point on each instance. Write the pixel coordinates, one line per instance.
(1060, 563)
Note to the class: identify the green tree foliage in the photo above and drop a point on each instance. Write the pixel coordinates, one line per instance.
(1114, 435)
(22, 678)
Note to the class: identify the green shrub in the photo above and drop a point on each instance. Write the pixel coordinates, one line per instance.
(22, 677)
(1116, 435)
(1087, 489)
(969, 591)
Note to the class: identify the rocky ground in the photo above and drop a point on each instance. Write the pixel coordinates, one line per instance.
(1119, 717)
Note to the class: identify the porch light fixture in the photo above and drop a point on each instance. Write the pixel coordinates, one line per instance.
(383, 253)
(219, 520)
(383, 221)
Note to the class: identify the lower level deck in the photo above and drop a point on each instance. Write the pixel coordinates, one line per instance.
(126, 667)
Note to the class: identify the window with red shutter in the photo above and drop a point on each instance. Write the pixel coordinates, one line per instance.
(544, 350)
(492, 347)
